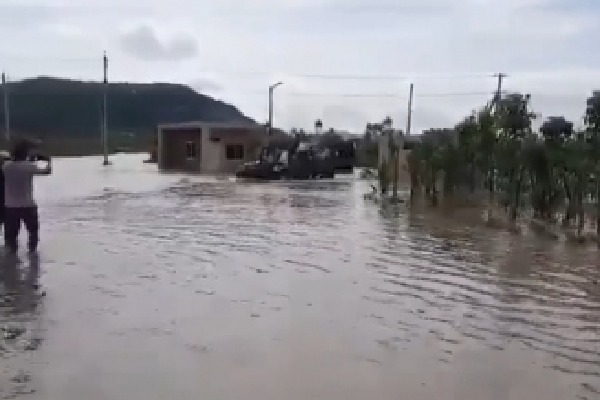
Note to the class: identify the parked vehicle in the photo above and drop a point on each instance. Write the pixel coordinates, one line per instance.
(303, 161)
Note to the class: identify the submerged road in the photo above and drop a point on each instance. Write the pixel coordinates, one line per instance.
(158, 286)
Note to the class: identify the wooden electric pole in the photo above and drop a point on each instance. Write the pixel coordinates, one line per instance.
(105, 112)
(500, 77)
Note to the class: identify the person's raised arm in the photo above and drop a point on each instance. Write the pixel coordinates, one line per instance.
(45, 170)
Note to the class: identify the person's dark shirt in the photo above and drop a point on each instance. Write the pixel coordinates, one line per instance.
(1, 184)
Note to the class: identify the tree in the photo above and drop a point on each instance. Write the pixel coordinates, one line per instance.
(556, 130)
(514, 120)
(579, 168)
(468, 142)
(486, 157)
(434, 155)
(592, 121)
(552, 173)
(551, 169)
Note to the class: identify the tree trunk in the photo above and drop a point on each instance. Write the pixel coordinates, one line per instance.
(539, 198)
(472, 178)
(571, 205)
(598, 206)
(448, 183)
(512, 196)
(517, 201)
(433, 187)
(395, 160)
(581, 214)
(491, 192)
(570, 213)
(414, 181)
(547, 211)
(425, 181)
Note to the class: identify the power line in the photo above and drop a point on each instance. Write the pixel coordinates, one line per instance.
(388, 77)
(377, 95)
(306, 76)
(53, 59)
(454, 94)
(355, 95)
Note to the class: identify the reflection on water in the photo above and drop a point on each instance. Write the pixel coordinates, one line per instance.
(20, 332)
(191, 286)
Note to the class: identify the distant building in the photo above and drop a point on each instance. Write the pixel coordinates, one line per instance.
(213, 148)
(349, 135)
(411, 141)
(440, 135)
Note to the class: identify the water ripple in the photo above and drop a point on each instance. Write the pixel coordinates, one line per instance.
(399, 277)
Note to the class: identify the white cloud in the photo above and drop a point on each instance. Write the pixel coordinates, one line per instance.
(239, 47)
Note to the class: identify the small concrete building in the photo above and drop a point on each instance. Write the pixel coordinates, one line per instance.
(204, 147)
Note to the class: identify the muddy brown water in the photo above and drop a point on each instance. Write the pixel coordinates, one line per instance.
(160, 286)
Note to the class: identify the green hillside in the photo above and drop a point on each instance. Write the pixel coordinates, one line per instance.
(67, 113)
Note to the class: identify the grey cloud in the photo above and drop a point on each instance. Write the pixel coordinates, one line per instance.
(143, 43)
(546, 47)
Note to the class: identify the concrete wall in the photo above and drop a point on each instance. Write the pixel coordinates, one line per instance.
(403, 167)
(385, 154)
(215, 143)
(172, 153)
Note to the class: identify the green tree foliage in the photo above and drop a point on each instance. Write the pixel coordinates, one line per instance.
(592, 120)
(551, 173)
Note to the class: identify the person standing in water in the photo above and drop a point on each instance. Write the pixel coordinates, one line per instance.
(2, 160)
(19, 202)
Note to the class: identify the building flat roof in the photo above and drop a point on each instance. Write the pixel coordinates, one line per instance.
(204, 124)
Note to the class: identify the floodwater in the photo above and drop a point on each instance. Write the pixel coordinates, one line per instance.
(155, 286)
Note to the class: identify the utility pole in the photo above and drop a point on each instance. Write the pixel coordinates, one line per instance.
(409, 115)
(500, 77)
(270, 123)
(6, 109)
(105, 112)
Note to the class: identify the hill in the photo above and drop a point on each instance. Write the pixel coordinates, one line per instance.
(53, 109)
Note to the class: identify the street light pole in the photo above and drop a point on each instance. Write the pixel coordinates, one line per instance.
(410, 107)
(271, 89)
(105, 112)
(6, 109)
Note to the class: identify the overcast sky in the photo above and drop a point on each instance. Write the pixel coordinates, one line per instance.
(233, 49)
